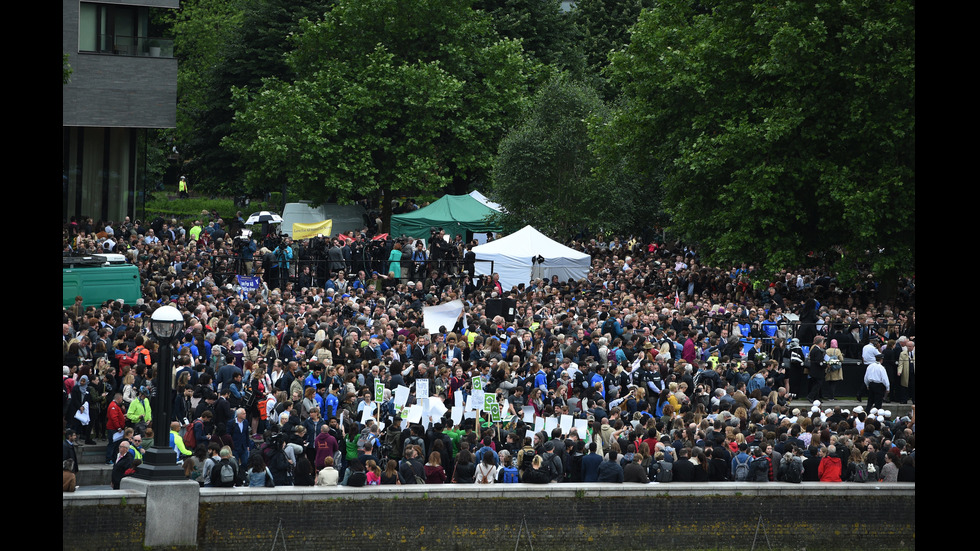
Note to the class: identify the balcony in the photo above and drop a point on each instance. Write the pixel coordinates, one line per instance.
(138, 46)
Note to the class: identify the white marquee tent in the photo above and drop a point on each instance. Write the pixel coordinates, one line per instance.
(512, 258)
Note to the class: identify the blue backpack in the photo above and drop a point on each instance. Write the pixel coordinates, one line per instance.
(510, 475)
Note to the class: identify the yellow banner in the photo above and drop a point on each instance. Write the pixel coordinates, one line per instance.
(306, 231)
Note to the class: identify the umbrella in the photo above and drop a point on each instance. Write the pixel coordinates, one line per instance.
(264, 216)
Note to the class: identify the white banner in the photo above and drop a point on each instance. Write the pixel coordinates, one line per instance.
(441, 315)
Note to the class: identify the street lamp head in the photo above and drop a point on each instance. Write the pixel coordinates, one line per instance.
(166, 324)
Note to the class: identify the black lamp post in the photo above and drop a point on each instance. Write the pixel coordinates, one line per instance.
(160, 461)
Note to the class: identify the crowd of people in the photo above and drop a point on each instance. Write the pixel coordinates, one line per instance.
(680, 371)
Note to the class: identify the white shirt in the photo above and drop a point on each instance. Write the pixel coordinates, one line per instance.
(876, 374)
(868, 353)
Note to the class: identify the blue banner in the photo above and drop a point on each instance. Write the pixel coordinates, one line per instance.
(249, 284)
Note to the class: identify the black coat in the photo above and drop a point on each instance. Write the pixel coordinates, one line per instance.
(120, 467)
(684, 470)
(810, 466)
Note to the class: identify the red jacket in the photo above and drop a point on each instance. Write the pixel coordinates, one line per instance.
(116, 419)
(829, 469)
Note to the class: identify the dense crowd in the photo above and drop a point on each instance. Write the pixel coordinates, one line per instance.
(676, 371)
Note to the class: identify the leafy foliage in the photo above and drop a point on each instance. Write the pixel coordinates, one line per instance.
(66, 70)
(542, 172)
(779, 128)
(604, 27)
(388, 96)
(223, 44)
(547, 34)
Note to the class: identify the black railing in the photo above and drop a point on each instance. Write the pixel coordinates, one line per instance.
(141, 46)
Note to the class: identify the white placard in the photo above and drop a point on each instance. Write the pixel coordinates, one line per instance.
(421, 388)
(415, 414)
(459, 398)
(550, 424)
(566, 424)
(538, 424)
(582, 426)
(367, 412)
(457, 415)
(401, 396)
(528, 414)
(478, 398)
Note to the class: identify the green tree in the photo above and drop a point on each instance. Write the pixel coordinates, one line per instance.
(604, 27)
(223, 44)
(779, 128)
(203, 30)
(542, 173)
(66, 70)
(388, 96)
(547, 34)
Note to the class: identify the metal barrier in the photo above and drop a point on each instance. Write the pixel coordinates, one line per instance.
(226, 267)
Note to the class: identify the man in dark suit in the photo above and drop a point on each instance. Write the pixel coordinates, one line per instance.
(68, 449)
(683, 468)
(124, 460)
(239, 430)
(222, 408)
(816, 369)
(590, 464)
(811, 465)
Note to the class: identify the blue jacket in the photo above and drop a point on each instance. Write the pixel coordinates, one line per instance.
(590, 467)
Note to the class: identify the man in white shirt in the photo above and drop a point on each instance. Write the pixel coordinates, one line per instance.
(868, 354)
(876, 379)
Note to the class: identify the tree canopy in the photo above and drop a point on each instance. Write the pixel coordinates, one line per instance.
(388, 95)
(543, 173)
(778, 128)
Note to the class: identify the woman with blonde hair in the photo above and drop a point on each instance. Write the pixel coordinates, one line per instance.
(129, 391)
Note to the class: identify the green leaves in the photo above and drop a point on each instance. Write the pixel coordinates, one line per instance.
(389, 95)
(784, 126)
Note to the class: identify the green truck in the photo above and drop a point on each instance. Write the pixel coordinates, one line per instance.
(98, 278)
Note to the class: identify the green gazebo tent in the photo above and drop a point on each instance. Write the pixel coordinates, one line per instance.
(454, 213)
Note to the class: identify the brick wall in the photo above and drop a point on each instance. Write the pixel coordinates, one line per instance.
(730, 516)
(686, 522)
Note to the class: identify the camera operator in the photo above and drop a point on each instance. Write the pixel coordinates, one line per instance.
(245, 247)
(283, 253)
(437, 248)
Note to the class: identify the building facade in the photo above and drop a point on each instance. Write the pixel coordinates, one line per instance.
(123, 82)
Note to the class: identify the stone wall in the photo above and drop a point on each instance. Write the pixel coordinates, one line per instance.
(567, 516)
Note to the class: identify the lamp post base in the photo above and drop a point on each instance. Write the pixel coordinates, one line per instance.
(160, 464)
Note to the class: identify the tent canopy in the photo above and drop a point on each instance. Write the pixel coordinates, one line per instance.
(483, 199)
(454, 213)
(512, 256)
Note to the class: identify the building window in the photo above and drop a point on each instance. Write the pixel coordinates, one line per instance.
(119, 30)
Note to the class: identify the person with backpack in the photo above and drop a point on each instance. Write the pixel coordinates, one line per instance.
(760, 467)
(740, 463)
(225, 473)
(525, 456)
(661, 470)
(508, 473)
(790, 467)
(553, 463)
(486, 471)
(857, 468)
